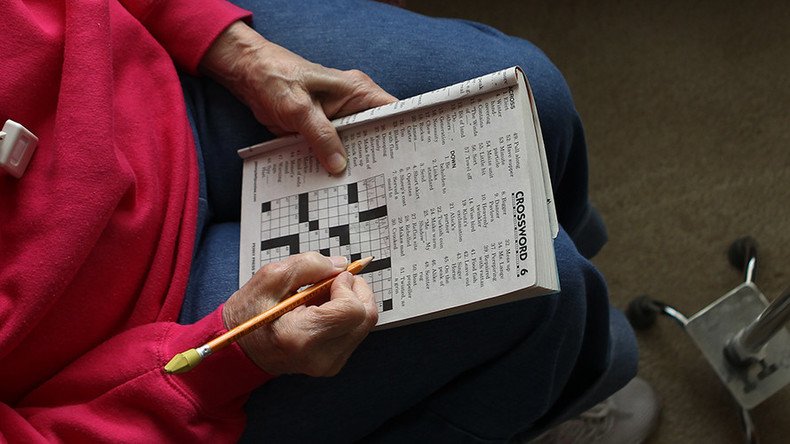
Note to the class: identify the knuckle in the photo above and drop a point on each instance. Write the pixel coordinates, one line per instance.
(359, 76)
(309, 260)
(274, 269)
(296, 107)
(283, 273)
(323, 135)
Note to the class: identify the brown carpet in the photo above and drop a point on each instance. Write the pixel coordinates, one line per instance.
(687, 111)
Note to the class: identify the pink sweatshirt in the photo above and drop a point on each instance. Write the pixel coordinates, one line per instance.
(96, 238)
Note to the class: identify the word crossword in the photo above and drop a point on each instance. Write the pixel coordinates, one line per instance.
(345, 220)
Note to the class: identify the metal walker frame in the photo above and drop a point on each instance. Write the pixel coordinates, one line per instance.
(741, 335)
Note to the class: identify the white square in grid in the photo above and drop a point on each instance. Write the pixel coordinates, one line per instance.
(353, 218)
(314, 245)
(334, 241)
(332, 201)
(303, 237)
(364, 236)
(312, 214)
(321, 204)
(334, 221)
(323, 243)
(363, 248)
(332, 211)
(323, 213)
(343, 219)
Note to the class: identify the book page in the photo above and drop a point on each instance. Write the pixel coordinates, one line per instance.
(480, 85)
(440, 195)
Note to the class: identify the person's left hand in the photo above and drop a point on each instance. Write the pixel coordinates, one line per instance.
(289, 94)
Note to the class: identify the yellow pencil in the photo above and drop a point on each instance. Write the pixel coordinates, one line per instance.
(186, 361)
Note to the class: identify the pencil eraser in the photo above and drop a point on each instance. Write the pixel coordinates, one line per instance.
(17, 145)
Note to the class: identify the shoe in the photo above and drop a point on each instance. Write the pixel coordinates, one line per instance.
(627, 417)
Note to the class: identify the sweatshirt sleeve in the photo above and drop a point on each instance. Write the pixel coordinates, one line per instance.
(185, 28)
(120, 390)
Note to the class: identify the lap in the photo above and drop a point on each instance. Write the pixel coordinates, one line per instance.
(490, 372)
(495, 371)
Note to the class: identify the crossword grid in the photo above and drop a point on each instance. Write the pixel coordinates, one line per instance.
(344, 220)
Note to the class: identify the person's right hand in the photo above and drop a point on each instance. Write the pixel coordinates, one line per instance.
(314, 340)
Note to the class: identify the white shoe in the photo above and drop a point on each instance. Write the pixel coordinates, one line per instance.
(627, 417)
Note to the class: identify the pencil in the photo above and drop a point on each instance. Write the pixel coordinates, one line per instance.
(186, 361)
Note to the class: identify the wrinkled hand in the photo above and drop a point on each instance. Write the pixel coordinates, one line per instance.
(289, 94)
(314, 340)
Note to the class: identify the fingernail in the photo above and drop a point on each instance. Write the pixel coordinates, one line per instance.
(339, 261)
(336, 163)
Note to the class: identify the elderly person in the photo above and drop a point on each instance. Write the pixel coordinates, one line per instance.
(119, 245)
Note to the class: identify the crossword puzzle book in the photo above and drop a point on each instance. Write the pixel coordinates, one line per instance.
(448, 190)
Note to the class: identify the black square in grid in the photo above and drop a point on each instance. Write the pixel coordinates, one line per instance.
(324, 251)
(356, 256)
(266, 206)
(386, 305)
(313, 225)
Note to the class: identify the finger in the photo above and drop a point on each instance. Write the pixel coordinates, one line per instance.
(341, 314)
(281, 279)
(323, 139)
(365, 294)
(367, 96)
(325, 336)
(349, 92)
(353, 300)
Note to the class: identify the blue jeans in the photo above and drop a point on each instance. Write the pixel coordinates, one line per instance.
(487, 376)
